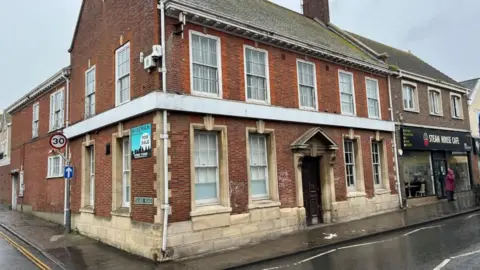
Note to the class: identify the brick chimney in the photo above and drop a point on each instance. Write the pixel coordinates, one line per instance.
(317, 9)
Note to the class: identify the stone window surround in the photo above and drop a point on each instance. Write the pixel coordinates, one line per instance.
(274, 198)
(85, 176)
(385, 184)
(117, 161)
(359, 172)
(224, 194)
(416, 101)
(431, 89)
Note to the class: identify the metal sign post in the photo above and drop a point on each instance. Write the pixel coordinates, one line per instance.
(59, 141)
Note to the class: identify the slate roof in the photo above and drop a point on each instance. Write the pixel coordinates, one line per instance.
(406, 60)
(470, 84)
(268, 16)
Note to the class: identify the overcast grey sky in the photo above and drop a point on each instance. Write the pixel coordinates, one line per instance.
(445, 33)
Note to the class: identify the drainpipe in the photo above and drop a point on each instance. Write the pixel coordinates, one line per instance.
(67, 218)
(164, 136)
(395, 151)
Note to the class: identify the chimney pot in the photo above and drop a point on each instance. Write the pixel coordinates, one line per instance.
(317, 9)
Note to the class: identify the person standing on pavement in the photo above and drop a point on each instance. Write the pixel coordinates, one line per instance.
(450, 185)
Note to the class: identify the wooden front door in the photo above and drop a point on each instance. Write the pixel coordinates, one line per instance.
(311, 190)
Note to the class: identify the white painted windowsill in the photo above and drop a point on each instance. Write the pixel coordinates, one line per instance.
(87, 209)
(121, 212)
(354, 194)
(263, 204)
(210, 210)
(382, 191)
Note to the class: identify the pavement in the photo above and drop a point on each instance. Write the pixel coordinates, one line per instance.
(73, 251)
(446, 244)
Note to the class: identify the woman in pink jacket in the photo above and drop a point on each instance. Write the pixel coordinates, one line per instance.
(450, 185)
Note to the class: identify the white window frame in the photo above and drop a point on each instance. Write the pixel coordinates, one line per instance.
(117, 79)
(379, 163)
(91, 150)
(53, 110)
(439, 104)
(452, 109)
(353, 92)
(414, 96)
(267, 75)
(50, 168)
(267, 167)
(378, 98)
(315, 92)
(88, 96)
(219, 65)
(350, 188)
(212, 201)
(35, 119)
(126, 173)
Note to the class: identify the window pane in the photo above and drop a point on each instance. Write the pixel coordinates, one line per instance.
(204, 64)
(256, 70)
(205, 191)
(258, 165)
(259, 187)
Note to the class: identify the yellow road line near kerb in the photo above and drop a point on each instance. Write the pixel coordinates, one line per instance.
(25, 252)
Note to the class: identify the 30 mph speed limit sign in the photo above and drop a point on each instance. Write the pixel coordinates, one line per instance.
(58, 141)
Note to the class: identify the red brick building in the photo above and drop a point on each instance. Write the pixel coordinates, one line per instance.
(37, 174)
(241, 120)
(5, 179)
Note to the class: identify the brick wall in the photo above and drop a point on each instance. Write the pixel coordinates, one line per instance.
(142, 174)
(423, 117)
(282, 68)
(46, 195)
(100, 32)
(5, 185)
(285, 135)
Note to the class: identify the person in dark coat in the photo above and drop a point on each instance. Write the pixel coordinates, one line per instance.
(450, 185)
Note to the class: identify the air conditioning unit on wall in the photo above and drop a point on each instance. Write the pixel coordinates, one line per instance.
(148, 62)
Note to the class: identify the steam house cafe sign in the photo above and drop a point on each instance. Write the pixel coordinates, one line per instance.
(414, 138)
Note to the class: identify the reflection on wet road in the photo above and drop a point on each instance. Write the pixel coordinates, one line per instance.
(15, 256)
(450, 244)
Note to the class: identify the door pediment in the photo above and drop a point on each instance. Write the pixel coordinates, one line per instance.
(314, 140)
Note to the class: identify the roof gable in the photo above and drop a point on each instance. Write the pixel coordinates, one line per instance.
(406, 60)
(473, 85)
(77, 25)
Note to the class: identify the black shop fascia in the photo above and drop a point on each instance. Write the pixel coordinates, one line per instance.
(426, 154)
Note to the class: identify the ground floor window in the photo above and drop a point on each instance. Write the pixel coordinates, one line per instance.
(458, 162)
(417, 174)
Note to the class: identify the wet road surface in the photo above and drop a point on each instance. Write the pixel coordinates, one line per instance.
(14, 254)
(449, 244)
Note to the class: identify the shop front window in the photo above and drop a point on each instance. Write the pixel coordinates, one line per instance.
(458, 162)
(417, 174)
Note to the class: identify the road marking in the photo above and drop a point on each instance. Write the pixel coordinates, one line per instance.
(354, 246)
(25, 252)
(474, 215)
(314, 257)
(421, 229)
(440, 266)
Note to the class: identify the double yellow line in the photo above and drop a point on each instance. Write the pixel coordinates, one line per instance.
(25, 252)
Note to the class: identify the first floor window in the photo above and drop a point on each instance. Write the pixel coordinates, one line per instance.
(409, 96)
(258, 166)
(349, 163)
(256, 71)
(35, 120)
(3, 150)
(373, 99)
(126, 172)
(205, 64)
(377, 169)
(307, 84)
(206, 167)
(90, 92)
(122, 74)
(456, 106)
(435, 102)
(56, 110)
(55, 166)
(347, 93)
(91, 151)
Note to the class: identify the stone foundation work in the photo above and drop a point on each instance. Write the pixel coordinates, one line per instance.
(362, 207)
(204, 234)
